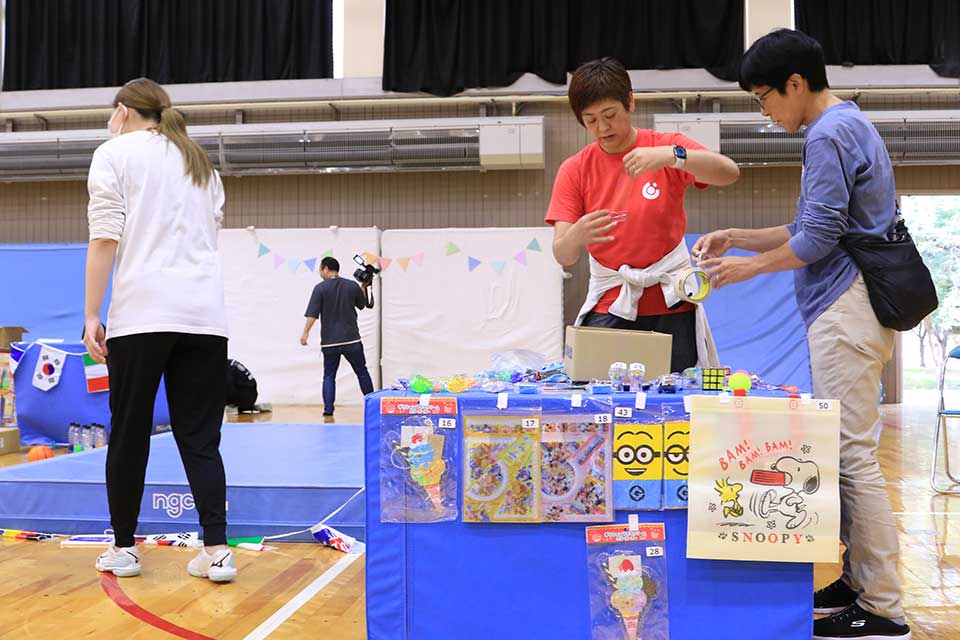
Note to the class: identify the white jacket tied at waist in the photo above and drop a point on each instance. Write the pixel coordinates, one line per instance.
(633, 281)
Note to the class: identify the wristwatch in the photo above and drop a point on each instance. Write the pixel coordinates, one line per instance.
(680, 153)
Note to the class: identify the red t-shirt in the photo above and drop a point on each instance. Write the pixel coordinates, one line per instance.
(655, 223)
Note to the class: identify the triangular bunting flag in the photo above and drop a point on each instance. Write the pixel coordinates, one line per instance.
(264, 250)
(403, 262)
(384, 263)
(418, 259)
(96, 375)
(327, 254)
(253, 543)
(472, 263)
(293, 264)
(46, 375)
(15, 356)
(498, 265)
(452, 249)
(327, 535)
(184, 539)
(310, 264)
(278, 260)
(521, 257)
(371, 258)
(534, 245)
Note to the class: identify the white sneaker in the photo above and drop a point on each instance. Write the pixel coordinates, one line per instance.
(218, 566)
(122, 562)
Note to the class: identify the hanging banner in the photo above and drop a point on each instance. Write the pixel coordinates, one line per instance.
(764, 479)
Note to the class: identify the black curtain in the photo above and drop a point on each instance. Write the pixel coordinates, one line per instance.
(446, 46)
(880, 32)
(57, 44)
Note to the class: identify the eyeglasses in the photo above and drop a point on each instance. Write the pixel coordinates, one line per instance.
(760, 98)
(644, 454)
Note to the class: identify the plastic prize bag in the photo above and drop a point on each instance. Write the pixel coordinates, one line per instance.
(501, 461)
(576, 469)
(627, 573)
(637, 454)
(418, 459)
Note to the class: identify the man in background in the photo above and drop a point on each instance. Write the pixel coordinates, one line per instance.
(335, 302)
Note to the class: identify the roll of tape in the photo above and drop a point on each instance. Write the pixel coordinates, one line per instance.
(692, 285)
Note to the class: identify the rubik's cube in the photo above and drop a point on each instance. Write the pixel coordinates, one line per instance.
(714, 379)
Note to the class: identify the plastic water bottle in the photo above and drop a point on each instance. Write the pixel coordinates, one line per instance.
(637, 371)
(73, 436)
(618, 374)
(86, 440)
(99, 436)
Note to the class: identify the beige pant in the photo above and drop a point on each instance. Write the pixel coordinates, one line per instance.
(848, 348)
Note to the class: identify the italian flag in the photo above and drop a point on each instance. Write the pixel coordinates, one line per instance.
(96, 374)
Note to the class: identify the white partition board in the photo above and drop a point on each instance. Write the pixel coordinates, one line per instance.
(465, 294)
(268, 281)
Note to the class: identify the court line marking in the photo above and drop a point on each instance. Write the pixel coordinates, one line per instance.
(282, 614)
(112, 588)
(114, 591)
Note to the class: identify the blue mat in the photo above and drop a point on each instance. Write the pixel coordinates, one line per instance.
(756, 324)
(42, 269)
(280, 478)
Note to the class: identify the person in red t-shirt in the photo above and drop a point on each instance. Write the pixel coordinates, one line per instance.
(621, 199)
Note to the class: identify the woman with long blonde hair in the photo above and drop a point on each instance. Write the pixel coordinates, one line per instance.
(155, 209)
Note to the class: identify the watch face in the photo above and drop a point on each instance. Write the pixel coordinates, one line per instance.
(680, 152)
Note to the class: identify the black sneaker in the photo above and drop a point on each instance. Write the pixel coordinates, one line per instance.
(853, 623)
(834, 598)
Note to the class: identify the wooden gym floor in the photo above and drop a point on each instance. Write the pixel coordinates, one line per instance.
(49, 592)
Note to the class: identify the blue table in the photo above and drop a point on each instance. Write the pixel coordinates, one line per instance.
(529, 581)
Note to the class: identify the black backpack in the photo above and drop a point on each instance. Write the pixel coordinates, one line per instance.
(241, 386)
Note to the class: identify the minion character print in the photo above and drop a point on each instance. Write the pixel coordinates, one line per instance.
(676, 463)
(638, 466)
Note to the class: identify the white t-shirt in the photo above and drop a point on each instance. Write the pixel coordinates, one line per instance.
(167, 275)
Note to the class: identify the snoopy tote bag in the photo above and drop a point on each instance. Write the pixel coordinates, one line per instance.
(764, 479)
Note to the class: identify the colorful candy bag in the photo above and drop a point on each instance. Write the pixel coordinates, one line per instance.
(576, 469)
(627, 573)
(418, 453)
(501, 465)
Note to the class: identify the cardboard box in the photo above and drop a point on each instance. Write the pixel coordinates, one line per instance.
(9, 440)
(589, 351)
(10, 334)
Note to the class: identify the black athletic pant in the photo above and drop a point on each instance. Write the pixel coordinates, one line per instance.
(192, 366)
(682, 326)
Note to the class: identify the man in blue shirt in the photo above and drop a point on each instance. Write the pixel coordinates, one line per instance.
(335, 302)
(847, 187)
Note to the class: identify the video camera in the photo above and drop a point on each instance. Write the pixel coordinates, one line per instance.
(364, 275)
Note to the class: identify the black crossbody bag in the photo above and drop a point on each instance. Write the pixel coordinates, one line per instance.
(901, 290)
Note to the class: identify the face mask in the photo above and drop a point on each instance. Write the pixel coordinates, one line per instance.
(117, 120)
